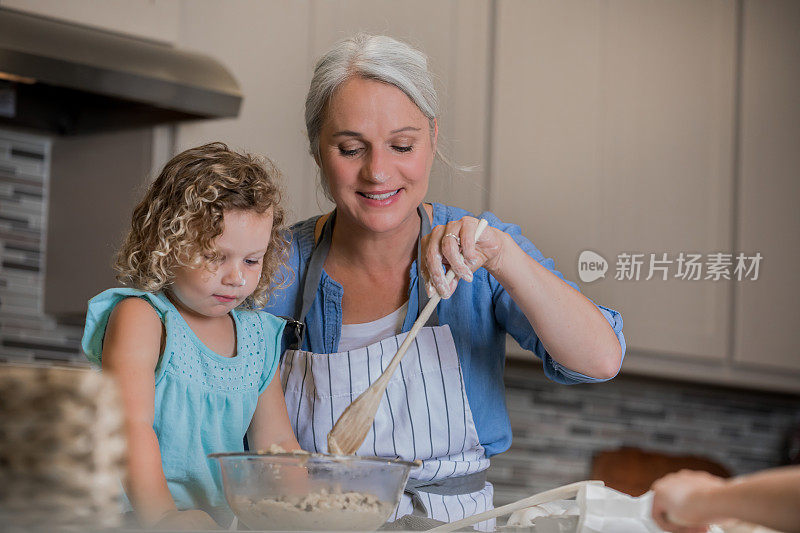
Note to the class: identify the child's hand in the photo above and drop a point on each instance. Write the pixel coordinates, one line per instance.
(677, 500)
(186, 520)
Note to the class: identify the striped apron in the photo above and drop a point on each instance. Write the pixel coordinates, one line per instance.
(424, 414)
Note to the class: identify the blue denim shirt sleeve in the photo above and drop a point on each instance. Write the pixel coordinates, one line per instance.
(511, 317)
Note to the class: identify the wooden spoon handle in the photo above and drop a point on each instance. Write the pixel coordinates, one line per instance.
(426, 311)
(559, 493)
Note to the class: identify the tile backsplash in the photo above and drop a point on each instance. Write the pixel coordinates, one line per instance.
(26, 333)
(557, 429)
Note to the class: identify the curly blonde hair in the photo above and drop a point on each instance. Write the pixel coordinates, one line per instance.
(181, 215)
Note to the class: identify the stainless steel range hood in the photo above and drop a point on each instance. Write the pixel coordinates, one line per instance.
(68, 79)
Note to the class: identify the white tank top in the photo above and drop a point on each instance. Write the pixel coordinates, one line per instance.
(359, 335)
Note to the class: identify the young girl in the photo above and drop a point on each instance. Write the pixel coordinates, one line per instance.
(194, 361)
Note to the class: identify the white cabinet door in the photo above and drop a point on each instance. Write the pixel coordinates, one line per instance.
(613, 132)
(768, 310)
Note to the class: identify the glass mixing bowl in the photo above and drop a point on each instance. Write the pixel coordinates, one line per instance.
(311, 492)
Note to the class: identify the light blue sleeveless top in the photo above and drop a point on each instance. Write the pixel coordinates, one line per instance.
(203, 401)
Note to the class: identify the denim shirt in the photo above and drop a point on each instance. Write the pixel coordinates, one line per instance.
(479, 314)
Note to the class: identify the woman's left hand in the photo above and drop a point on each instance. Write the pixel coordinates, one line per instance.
(453, 245)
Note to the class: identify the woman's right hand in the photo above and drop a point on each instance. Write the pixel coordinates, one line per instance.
(453, 246)
(193, 519)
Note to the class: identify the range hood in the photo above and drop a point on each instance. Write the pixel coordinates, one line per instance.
(68, 79)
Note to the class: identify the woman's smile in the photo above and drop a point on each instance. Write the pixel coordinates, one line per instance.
(380, 198)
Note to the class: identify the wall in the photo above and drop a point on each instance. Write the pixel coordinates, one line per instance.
(155, 20)
(270, 59)
(96, 181)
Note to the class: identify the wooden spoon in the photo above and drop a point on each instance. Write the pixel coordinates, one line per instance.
(352, 427)
(559, 493)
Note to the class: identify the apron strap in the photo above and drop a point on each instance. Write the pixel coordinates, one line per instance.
(314, 275)
(448, 486)
(315, 266)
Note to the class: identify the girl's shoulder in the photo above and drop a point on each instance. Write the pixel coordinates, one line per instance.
(265, 331)
(267, 322)
(102, 306)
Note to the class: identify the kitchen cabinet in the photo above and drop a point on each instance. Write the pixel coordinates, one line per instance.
(767, 313)
(604, 141)
(614, 129)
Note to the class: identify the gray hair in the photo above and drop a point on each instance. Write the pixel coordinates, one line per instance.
(374, 57)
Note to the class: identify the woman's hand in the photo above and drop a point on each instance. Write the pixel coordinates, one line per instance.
(190, 520)
(570, 327)
(677, 502)
(453, 245)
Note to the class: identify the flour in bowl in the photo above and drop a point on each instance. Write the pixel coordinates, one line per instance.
(355, 511)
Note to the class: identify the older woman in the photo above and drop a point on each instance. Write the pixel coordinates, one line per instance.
(371, 115)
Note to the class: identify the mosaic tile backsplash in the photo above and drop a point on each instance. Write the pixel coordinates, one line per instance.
(26, 333)
(557, 429)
